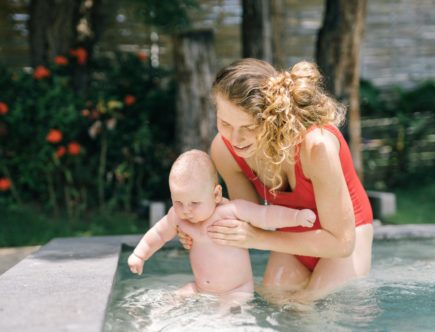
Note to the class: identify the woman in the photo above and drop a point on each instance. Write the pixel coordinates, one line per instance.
(277, 140)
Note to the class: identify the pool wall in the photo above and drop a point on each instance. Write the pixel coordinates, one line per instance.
(66, 285)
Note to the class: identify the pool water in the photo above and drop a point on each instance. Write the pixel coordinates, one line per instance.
(398, 295)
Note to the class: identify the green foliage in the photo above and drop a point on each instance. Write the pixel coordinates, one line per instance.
(371, 102)
(29, 226)
(413, 114)
(169, 16)
(414, 203)
(67, 151)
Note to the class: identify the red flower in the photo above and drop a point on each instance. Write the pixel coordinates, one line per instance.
(60, 151)
(81, 54)
(5, 184)
(61, 60)
(129, 100)
(86, 113)
(142, 56)
(74, 148)
(41, 72)
(4, 109)
(54, 136)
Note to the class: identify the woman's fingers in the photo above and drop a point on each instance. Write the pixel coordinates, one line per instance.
(227, 223)
(222, 229)
(233, 232)
(186, 240)
(225, 236)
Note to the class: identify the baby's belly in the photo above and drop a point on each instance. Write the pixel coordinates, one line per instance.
(220, 269)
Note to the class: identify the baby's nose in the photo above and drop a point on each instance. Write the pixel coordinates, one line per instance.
(187, 208)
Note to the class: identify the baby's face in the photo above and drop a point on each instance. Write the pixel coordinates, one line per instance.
(194, 202)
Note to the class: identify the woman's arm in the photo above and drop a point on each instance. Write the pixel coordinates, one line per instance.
(321, 163)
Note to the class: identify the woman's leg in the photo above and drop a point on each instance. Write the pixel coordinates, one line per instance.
(284, 275)
(331, 273)
(285, 271)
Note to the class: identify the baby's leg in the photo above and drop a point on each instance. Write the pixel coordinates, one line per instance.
(187, 290)
(235, 299)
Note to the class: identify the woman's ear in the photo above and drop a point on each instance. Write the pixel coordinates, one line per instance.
(217, 193)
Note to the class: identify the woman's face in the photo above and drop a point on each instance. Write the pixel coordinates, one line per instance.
(237, 126)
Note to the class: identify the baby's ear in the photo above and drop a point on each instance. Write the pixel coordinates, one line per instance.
(217, 193)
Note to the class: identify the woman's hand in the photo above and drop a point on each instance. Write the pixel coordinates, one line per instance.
(233, 232)
(186, 240)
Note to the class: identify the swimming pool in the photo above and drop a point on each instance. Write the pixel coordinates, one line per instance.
(398, 295)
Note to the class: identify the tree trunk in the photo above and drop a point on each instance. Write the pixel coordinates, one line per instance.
(257, 29)
(194, 59)
(278, 16)
(338, 56)
(57, 26)
(51, 29)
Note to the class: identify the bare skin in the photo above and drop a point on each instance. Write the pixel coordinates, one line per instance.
(218, 270)
(344, 250)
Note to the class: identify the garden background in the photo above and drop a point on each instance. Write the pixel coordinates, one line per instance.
(88, 104)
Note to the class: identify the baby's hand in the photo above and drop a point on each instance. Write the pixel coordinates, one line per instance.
(306, 218)
(135, 263)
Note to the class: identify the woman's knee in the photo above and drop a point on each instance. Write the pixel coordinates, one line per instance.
(285, 271)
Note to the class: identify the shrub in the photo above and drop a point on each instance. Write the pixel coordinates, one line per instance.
(108, 147)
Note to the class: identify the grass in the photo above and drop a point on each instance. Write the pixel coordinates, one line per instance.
(27, 226)
(415, 204)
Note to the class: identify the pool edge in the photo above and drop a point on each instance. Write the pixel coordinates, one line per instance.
(67, 284)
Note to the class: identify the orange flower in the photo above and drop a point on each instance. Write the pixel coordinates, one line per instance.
(60, 151)
(41, 72)
(85, 112)
(129, 100)
(142, 56)
(54, 136)
(5, 184)
(61, 60)
(74, 148)
(81, 54)
(4, 109)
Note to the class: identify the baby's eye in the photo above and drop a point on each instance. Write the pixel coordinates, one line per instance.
(196, 203)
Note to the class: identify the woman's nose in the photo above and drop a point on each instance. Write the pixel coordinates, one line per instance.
(236, 138)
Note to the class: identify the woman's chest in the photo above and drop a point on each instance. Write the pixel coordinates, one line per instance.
(267, 174)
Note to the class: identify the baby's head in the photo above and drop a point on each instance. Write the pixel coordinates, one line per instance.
(194, 186)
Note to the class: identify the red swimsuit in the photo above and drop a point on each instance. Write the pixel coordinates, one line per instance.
(302, 196)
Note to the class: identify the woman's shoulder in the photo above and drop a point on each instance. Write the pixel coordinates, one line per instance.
(319, 147)
(320, 139)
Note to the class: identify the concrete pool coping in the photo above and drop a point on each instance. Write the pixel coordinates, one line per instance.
(66, 284)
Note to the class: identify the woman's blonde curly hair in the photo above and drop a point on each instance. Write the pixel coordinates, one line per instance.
(284, 105)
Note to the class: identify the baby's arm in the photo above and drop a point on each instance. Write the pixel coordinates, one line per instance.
(163, 231)
(272, 216)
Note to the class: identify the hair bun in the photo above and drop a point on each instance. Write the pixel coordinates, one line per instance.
(305, 76)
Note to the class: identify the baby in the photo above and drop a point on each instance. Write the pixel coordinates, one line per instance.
(197, 203)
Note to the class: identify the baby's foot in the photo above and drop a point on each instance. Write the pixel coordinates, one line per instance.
(306, 218)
